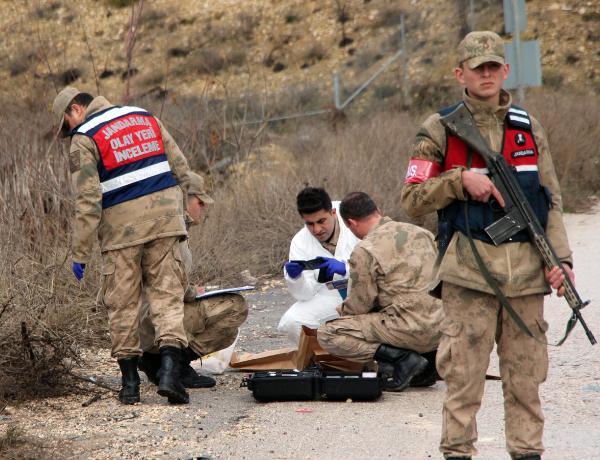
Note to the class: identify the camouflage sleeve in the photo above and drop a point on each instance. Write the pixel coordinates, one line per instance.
(362, 292)
(555, 229)
(83, 161)
(177, 160)
(186, 258)
(436, 192)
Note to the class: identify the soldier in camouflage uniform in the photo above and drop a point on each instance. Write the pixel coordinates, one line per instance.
(444, 176)
(128, 174)
(388, 314)
(210, 324)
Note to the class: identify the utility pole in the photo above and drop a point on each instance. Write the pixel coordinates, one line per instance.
(517, 36)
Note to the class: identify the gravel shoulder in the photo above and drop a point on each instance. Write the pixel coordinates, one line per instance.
(225, 422)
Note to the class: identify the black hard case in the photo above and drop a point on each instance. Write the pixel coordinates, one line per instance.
(283, 385)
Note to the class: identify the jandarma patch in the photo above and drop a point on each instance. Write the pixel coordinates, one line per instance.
(523, 153)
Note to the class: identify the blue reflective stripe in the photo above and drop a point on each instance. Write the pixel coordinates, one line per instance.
(138, 189)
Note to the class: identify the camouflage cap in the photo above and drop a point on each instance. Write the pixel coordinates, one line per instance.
(61, 102)
(197, 188)
(479, 47)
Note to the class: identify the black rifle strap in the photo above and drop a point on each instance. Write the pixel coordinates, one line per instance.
(500, 295)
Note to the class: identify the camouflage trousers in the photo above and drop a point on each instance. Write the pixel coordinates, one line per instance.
(211, 324)
(151, 271)
(474, 320)
(357, 338)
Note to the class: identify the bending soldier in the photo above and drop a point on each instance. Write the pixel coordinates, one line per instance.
(444, 175)
(388, 314)
(128, 174)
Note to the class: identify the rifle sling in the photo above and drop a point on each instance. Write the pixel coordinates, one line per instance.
(502, 298)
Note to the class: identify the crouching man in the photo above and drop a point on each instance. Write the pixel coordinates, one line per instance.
(388, 315)
(210, 324)
(324, 235)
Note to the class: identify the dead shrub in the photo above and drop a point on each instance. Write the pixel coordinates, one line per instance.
(574, 144)
(247, 24)
(45, 316)
(207, 61)
(313, 53)
(366, 58)
(120, 3)
(388, 17)
(236, 57)
(47, 11)
(19, 65)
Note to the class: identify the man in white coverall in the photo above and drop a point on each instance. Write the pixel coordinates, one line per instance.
(324, 235)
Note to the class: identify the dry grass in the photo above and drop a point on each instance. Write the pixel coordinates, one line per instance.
(46, 316)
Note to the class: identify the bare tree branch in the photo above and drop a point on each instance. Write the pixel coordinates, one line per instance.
(134, 19)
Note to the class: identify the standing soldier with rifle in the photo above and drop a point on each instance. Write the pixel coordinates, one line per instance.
(494, 279)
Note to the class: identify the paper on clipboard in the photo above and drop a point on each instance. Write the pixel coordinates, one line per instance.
(232, 290)
(337, 284)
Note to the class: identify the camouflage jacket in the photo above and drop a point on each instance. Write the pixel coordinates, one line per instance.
(517, 267)
(133, 222)
(391, 270)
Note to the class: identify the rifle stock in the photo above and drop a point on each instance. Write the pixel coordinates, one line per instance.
(519, 214)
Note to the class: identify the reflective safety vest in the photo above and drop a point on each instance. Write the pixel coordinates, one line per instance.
(521, 153)
(132, 155)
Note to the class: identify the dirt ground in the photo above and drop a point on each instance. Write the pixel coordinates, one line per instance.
(225, 422)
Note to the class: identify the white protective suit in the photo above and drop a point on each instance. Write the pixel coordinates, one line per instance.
(315, 303)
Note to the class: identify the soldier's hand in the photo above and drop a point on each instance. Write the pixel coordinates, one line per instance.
(480, 187)
(555, 278)
(339, 309)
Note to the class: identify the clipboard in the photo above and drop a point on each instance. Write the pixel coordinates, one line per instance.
(216, 292)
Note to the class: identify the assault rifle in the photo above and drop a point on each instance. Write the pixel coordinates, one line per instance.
(518, 212)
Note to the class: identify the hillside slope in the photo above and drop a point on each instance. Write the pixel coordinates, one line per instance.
(265, 46)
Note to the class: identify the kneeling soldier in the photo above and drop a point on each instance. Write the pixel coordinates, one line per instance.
(210, 324)
(388, 315)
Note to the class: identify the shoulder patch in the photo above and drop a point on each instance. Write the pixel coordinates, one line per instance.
(518, 118)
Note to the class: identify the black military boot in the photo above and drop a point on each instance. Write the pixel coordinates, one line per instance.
(149, 364)
(189, 377)
(458, 458)
(169, 376)
(530, 457)
(400, 365)
(430, 375)
(130, 381)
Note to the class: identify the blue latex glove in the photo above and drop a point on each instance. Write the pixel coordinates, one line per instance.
(78, 270)
(333, 266)
(293, 269)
